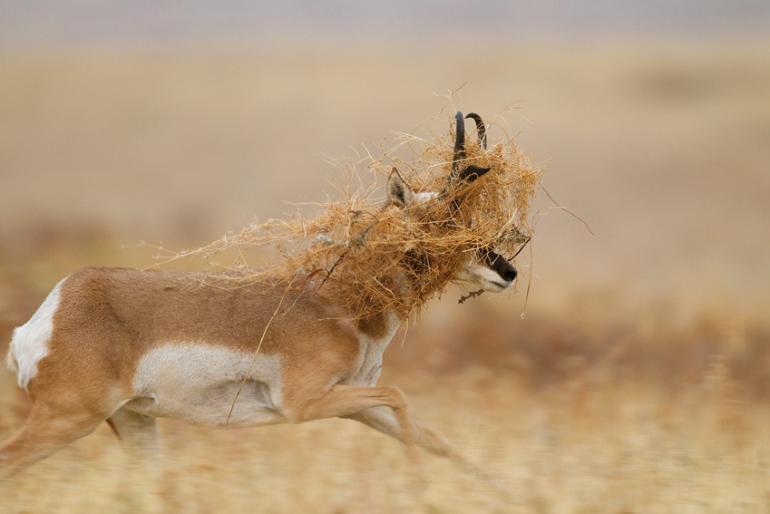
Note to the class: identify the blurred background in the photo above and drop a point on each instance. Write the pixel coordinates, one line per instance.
(636, 378)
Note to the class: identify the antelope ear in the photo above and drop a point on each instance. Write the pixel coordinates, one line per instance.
(399, 191)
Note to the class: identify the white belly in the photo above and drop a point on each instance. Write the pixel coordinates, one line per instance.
(208, 385)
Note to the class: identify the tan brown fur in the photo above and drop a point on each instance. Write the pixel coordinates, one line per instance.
(110, 317)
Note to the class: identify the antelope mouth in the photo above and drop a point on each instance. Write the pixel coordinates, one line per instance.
(501, 285)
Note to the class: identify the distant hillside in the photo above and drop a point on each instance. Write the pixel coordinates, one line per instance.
(87, 22)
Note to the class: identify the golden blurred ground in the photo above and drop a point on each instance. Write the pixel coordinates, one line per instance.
(638, 381)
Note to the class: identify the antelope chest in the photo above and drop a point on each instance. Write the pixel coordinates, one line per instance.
(371, 350)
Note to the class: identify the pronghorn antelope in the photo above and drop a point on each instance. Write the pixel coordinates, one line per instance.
(128, 346)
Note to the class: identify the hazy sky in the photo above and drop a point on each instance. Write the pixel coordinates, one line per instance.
(86, 22)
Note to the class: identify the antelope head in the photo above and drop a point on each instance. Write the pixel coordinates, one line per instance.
(485, 270)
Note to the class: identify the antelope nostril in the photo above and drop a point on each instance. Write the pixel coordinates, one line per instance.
(509, 274)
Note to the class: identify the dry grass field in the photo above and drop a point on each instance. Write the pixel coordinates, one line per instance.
(639, 379)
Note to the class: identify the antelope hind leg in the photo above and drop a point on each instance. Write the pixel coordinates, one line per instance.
(44, 432)
(137, 433)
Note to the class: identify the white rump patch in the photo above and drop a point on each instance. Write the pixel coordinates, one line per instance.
(199, 382)
(30, 341)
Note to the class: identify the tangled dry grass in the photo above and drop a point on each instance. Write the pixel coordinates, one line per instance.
(361, 250)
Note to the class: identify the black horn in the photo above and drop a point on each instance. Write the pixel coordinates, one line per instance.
(459, 154)
(471, 172)
(481, 129)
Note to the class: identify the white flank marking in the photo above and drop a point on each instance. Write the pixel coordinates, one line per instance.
(198, 382)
